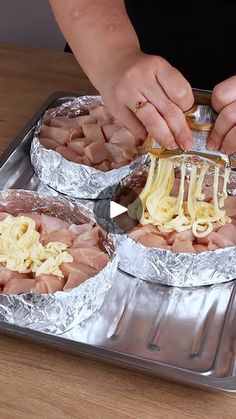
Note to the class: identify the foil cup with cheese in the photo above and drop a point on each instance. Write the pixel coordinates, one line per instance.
(59, 311)
(167, 267)
(74, 179)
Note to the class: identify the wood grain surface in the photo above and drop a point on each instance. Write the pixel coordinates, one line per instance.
(40, 382)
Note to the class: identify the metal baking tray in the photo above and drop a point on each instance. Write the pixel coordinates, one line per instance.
(185, 335)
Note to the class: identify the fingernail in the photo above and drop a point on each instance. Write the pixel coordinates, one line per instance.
(172, 146)
(187, 145)
(224, 150)
(211, 145)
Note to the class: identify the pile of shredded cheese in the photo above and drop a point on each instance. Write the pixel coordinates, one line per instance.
(21, 250)
(155, 205)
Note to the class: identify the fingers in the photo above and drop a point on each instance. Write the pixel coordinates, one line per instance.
(174, 85)
(171, 113)
(229, 143)
(132, 123)
(165, 92)
(224, 94)
(156, 125)
(223, 134)
(127, 118)
(223, 124)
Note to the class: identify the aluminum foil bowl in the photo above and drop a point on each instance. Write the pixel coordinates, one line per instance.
(61, 311)
(73, 179)
(176, 269)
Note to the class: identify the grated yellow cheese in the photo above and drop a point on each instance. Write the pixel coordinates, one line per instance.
(155, 205)
(21, 250)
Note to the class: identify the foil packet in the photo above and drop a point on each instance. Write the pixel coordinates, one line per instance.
(176, 269)
(58, 312)
(73, 179)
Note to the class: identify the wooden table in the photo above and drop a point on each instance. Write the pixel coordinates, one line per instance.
(38, 382)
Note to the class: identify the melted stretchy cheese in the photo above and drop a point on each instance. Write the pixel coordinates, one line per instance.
(21, 250)
(170, 213)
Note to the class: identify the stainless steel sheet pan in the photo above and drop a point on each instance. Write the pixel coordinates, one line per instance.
(186, 335)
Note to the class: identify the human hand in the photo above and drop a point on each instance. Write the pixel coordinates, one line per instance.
(223, 135)
(146, 94)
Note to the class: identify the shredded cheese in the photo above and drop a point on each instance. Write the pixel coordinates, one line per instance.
(155, 205)
(21, 250)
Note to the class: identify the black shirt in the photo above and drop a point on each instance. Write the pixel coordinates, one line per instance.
(197, 37)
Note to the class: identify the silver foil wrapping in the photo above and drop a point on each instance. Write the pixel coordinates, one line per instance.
(73, 179)
(58, 312)
(177, 269)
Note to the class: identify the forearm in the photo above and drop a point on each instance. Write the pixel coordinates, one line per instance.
(97, 30)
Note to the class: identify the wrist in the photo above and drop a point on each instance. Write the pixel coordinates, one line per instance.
(109, 64)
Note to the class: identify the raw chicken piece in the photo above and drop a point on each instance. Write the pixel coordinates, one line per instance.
(77, 267)
(212, 246)
(109, 130)
(76, 229)
(115, 153)
(215, 238)
(123, 137)
(75, 279)
(62, 235)
(63, 122)
(230, 206)
(92, 256)
(180, 246)
(200, 248)
(49, 283)
(75, 134)
(86, 161)
(129, 152)
(86, 141)
(148, 228)
(88, 238)
(49, 143)
(122, 163)
(104, 166)
(84, 119)
(77, 146)
(93, 131)
(229, 231)
(102, 115)
(153, 240)
(17, 285)
(182, 236)
(6, 274)
(57, 134)
(69, 154)
(53, 223)
(97, 152)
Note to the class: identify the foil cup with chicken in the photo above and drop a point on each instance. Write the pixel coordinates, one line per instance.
(178, 258)
(80, 150)
(56, 264)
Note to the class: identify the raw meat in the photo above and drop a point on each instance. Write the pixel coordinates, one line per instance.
(84, 243)
(184, 241)
(96, 140)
